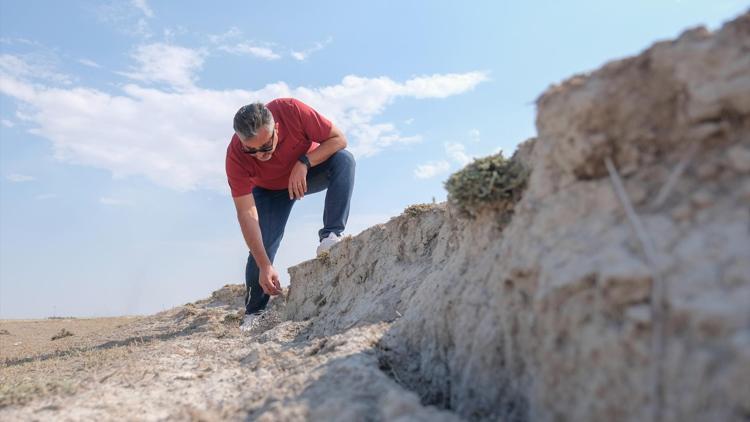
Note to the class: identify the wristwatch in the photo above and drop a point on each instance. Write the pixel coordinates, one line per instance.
(304, 160)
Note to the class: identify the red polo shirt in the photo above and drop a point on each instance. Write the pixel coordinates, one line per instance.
(301, 129)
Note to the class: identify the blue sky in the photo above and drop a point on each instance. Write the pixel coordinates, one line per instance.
(115, 116)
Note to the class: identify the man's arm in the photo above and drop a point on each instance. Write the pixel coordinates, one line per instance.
(247, 215)
(298, 179)
(335, 141)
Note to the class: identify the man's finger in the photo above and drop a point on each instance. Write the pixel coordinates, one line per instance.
(291, 190)
(304, 184)
(268, 286)
(272, 290)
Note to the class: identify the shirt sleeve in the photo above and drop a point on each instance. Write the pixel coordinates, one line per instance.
(317, 128)
(240, 179)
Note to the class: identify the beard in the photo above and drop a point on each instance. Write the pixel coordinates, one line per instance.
(264, 156)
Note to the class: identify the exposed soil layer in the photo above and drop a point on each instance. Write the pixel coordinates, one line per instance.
(614, 286)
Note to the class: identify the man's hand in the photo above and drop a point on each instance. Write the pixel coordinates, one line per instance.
(269, 280)
(298, 181)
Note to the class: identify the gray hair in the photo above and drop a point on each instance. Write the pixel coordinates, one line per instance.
(252, 117)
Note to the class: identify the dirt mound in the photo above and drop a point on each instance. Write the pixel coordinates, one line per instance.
(619, 287)
(193, 363)
(601, 273)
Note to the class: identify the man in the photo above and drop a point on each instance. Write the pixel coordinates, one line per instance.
(280, 152)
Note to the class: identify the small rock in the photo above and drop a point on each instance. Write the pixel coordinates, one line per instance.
(707, 170)
(682, 212)
(736, 273)
(185, 376)
(745, 191)
(640, 314)
(702, 199)
(637, 193)
(705, 130)
(739, 158)
(4, 332)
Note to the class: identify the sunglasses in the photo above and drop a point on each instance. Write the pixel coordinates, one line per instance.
(263, 148)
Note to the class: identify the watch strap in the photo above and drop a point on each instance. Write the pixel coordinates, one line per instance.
(304, 160)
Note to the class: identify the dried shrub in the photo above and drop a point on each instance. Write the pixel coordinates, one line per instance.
(418, 209)
(62, 334)
(492, 181)
(325, 258)
(234, 318)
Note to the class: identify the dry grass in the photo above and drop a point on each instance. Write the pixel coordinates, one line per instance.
(24, 381)
(106, 354)
(418, 209)
(29, 338)
(42, 357)
(325, 257)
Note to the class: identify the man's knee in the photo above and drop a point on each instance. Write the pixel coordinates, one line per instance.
(343, 158)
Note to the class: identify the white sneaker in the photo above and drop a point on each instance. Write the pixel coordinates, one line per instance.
(327, 243)
(251, 321)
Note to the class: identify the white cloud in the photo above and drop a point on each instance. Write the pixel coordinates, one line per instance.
(167, 63)
(19, 114)
(172, 32)
(245, 48)
(89, 63)
(409, 121)
(13, 41)
(457, 153)
(130, 18)
(141, 28)
(431, 169)
(443, 85)
(178, 138)
(304, 54)
(231, 34)
(38, 67)
(18, 178)
(143, 6)
(474, 135)
(231, 41)
(7, 123)
(106, 200)
(45, 196)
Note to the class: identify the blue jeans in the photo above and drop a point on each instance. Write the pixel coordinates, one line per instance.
(274, 206)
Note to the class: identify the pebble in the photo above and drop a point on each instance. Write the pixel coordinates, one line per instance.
(682, 212)
(707, 170)
(739, 158)
(637, 193)
(639, 313)
(745, 191)
(702, 199)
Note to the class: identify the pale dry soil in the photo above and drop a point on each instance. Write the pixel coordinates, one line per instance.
(32, 338)
(193, 363)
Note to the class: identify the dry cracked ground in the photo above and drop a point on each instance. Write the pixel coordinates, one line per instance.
(193, 363)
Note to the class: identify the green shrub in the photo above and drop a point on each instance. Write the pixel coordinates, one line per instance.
(492, 181)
